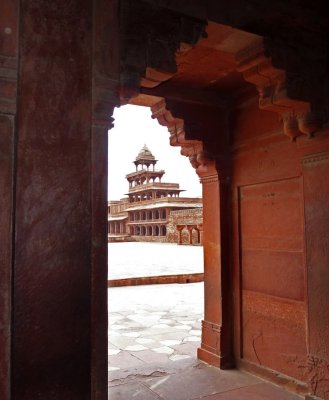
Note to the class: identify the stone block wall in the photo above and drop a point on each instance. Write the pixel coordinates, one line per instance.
(157, 239)
(182, 217)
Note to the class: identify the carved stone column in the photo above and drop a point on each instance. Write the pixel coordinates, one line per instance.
(217, 333)
(179, 229)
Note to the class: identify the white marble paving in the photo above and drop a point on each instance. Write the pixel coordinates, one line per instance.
(178, 357)
(164, 350)
(186, 327)
(145, 341)
(113, 352)
(169, 331)
(116, 327)
(170, 342)
(132, 334)
(136, 347)
(159, 326)
(195, 332)
(113, 368)
(192, 339)
(150, 259)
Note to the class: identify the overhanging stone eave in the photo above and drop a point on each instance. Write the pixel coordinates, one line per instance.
(163, 205)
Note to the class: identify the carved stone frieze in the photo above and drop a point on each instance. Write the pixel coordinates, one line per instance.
(320, 158)
(150, 39)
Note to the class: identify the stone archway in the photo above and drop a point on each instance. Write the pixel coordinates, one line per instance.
(54, 185)
(218, 317)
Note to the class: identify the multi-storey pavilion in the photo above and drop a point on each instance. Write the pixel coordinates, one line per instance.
(144, 216)
(145, 184)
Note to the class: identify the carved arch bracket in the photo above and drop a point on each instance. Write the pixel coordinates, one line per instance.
(200, 159)
(272, 85)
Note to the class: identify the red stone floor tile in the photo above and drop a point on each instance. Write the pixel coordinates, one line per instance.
(262, 391)
(198, 382)
(134, 390)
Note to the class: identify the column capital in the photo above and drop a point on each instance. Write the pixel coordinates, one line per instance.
(209, 178)
(105, 99)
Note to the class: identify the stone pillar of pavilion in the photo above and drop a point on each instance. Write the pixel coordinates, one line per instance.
(180, 229)
(190, 234)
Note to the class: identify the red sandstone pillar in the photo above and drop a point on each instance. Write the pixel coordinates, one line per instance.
(190, 233)
(54, 196)
(9, 14)
(180, 229)
(216, 343)
(199, 237)
(55, 161)
(316, 192)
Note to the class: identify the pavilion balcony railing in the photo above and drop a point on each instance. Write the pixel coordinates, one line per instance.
(167, 199)
(146, 171)
(147, 221)
(153, 185)
(191, 212)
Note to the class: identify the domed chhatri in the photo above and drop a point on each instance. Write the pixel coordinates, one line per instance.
(145, 153)
(145, 158)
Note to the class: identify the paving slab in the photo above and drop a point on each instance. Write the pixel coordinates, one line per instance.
(135, 391)
(198, 382)
(153, 339)
(124, 359)
(151, 259)
(262, 391)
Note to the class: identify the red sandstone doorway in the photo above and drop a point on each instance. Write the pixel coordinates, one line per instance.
(188, 326)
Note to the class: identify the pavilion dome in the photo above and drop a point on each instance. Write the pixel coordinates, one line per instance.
(145, 154)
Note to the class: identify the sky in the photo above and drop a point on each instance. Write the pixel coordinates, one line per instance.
(134, 127)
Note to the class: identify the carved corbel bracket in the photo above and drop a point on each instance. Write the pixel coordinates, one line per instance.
(200, 159)
(272, 85)
(150, 38)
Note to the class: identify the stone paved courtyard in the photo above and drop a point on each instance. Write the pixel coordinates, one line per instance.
(154, 333)
(133, 259)
(162, 324)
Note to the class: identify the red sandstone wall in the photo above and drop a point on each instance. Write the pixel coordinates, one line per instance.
(269, 244)
(189, 217)
(281, 224)
(155, 239)
(9, 15)
(316, 192)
